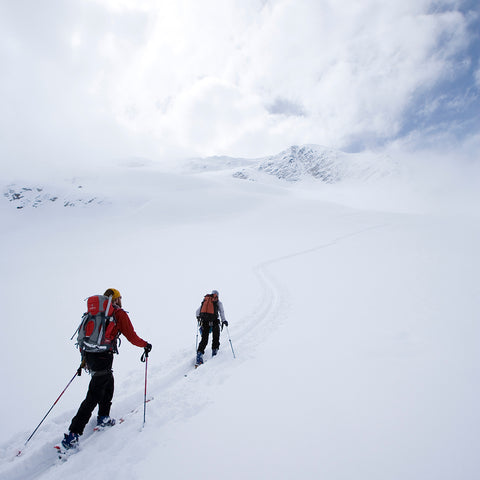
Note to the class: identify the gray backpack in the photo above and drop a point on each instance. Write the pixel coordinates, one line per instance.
(98, 331)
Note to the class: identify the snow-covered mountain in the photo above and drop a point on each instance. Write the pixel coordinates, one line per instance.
(355, 329)
(294, 164)
(301, 162)
(39, 195)
(298, 162)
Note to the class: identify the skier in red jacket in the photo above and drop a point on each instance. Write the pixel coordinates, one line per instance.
(99, 364)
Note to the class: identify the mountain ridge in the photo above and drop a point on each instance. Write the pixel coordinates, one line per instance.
(309, 161)
(292, 165)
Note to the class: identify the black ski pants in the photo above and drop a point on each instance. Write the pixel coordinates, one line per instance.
(100, 392)
(205, 326)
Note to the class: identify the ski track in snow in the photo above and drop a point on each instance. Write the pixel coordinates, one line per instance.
(173, 383)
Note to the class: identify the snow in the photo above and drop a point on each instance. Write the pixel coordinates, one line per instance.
(353, 313)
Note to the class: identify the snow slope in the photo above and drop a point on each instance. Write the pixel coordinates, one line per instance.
(355, 329)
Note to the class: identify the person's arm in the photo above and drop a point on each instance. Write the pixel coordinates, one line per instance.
(222, 312)
(126, 328)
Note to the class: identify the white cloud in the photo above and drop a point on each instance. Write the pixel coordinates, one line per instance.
(221, 76)
(477, 77)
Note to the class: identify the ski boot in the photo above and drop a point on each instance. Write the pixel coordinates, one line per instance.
(70, 441)
(214, 352)
(199, 359)
(105, 421)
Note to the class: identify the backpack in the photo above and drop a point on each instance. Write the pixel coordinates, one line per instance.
(97, 331)
(209, 307)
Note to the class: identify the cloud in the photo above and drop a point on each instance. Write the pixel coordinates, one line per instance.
(241, 77)
(211, 112)
(282, 106)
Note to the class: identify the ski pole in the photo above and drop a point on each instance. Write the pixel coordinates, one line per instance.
(145, 359)
(230, 340)
(54, 403)
(196, 341)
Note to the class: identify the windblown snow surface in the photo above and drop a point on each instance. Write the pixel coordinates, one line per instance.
(353, 310)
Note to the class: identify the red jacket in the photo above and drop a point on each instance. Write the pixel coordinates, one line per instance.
(125, 327)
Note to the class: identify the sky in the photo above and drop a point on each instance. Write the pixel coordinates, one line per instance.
(85, 81)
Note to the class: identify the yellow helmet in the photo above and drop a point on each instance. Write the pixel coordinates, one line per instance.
(113, 292)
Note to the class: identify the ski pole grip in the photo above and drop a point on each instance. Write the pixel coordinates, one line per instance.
(82, 365)
(146, 351)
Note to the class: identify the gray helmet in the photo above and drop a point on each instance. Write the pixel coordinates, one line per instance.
(215, 292)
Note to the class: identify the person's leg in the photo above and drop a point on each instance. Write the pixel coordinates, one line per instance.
(86, 407)
(105, 401)
(204, 340)
(216, 337)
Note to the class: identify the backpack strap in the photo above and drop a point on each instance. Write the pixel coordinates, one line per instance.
(108, 306)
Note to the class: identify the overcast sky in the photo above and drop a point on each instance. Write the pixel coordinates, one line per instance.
(90, 80)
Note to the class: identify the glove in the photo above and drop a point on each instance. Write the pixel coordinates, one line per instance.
(225, 323)
(83, 364)
(146, 351)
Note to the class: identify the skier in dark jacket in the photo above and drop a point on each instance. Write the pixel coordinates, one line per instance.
(210, 321)
(100, 389)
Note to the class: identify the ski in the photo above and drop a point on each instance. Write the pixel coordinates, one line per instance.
(195, 366)
(131, 412)
(63, 453)
(99, 428)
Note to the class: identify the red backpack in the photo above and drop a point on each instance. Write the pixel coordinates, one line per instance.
(97, 331)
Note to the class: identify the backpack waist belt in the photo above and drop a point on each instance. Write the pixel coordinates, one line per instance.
(100, 372)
